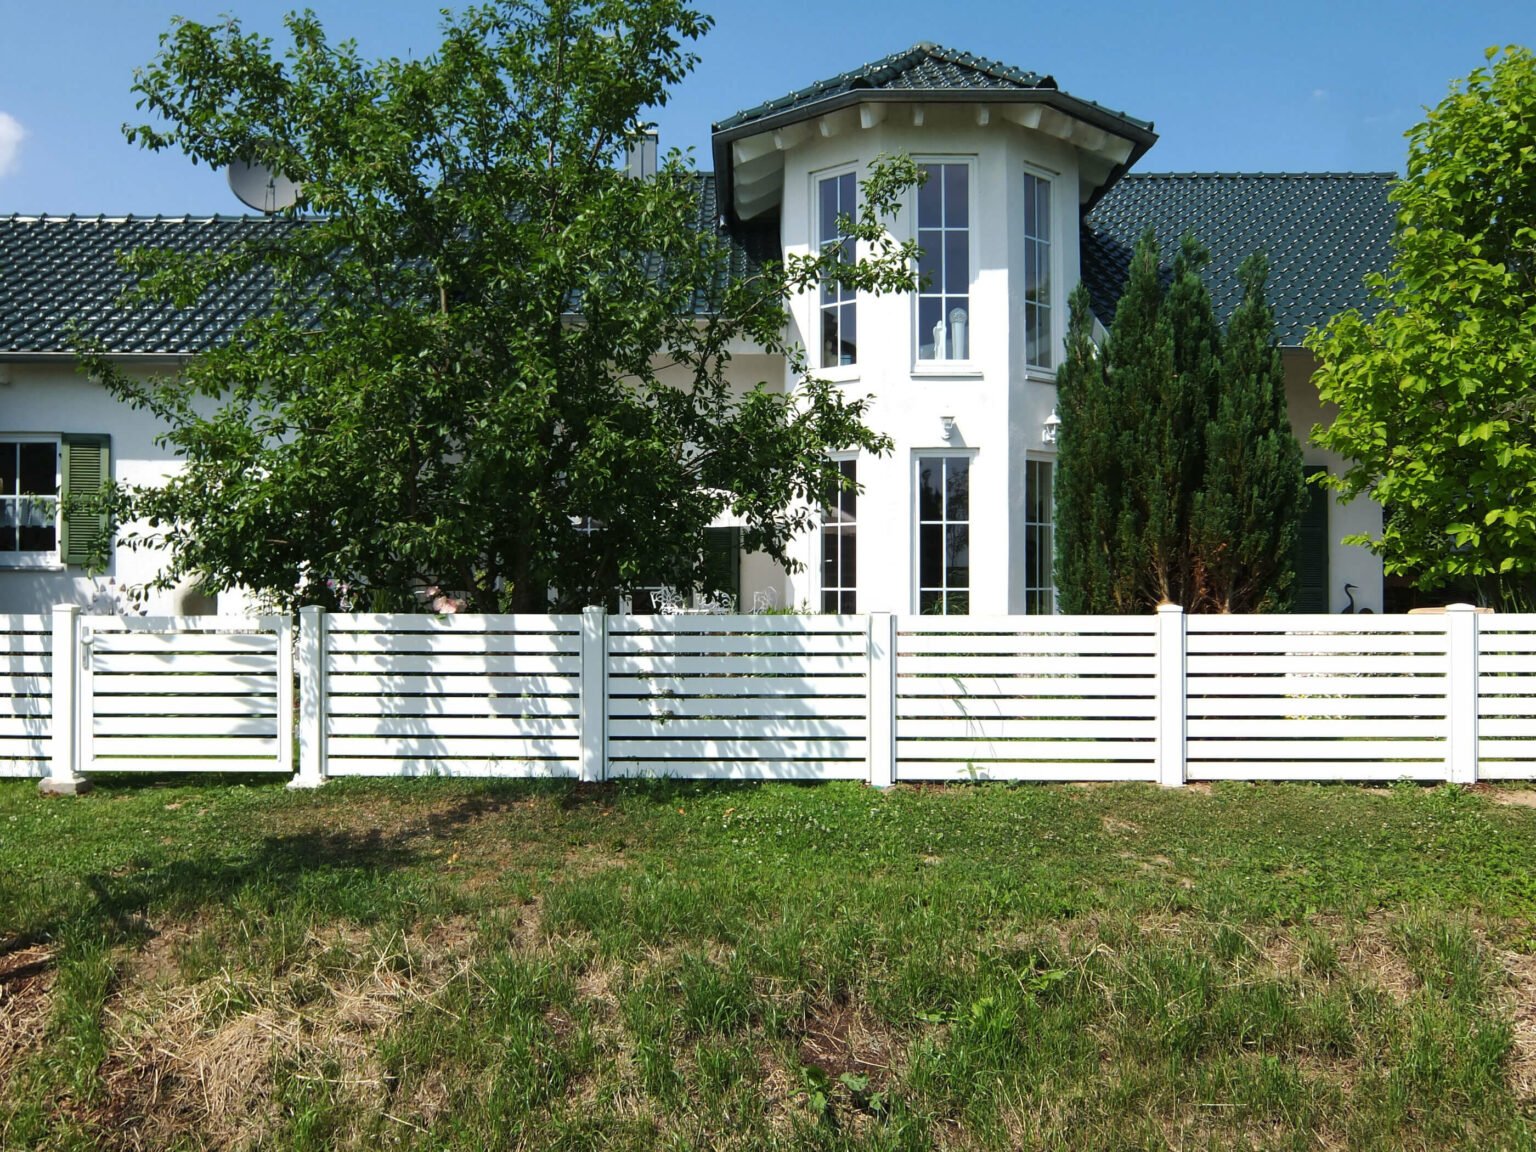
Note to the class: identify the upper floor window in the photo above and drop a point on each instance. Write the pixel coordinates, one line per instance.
(839, 313)
(1038, 348)
(944, 234)
(29, 500)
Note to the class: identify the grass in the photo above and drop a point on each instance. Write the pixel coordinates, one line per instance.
(446, 965)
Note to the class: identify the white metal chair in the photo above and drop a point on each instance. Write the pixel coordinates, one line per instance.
(718, 603)
(667, 601)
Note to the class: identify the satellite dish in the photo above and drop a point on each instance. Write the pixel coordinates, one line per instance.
(261, 188)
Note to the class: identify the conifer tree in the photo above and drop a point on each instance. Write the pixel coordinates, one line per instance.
(1178, 478)
(1248, 512)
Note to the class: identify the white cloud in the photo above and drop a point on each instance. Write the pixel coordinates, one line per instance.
(11, 136)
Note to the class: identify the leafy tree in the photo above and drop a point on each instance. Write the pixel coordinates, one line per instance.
(1178, 478)
(1436, 395)
(492, 361)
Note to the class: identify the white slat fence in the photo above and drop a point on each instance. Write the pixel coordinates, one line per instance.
(26, 694)
(186, 694)
(881, 698)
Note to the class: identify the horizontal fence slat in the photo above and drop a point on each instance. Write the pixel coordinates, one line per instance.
(239, 746)
(782, 731)
(169, 764)
(1064, 625)
(787, 708)
(422, 684)
(479, 768)
(1024, 643)
(165, 705)
(1299, 707)
(736, 749)
(754, 644)
(991, 729)
(181, 645)
(453, 726)
(460, 622)
(438, 705)
(156, 724)
(1294, 643)
(1096, 666)
(1315, 728)
(454, 643)
(1325, 664)
(1315, 687)
(1023, 707)
(761, 769)
(1364, 770)
(455, 747)
(1035, 750)
(761, 665)
(944, 771)
(188, 685)
(1324, 750)
(450, 664)
(703, 687)
(705, 625)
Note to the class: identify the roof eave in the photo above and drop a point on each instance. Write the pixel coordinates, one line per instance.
(1141, 137)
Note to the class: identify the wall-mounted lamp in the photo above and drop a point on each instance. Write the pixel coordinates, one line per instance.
(1051, 429)
(947, 428)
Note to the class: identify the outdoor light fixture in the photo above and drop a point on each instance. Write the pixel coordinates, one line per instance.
(947, 428)
(1051, 429)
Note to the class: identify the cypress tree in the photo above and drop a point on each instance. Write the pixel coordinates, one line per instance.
(1088, 477)
(1248, 512)
(1177, 477)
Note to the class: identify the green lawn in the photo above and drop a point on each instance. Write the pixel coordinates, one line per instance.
(438, 964)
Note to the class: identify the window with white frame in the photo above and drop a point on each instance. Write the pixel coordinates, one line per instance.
(944, 535)
(1038, 346)
(29, 500)
(1039, 537)
(840, 544)
(839, 310)
(944, 268)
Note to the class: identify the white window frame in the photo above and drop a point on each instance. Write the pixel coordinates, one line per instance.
(915, 506)
(1049, 524)
(838, 458)
(950, 366)
(818, 241)
(1053, 343)
(37, 559)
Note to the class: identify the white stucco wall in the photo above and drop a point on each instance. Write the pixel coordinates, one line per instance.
(49, 398)
(1347, 563)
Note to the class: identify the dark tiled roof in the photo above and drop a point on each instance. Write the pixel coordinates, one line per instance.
(1322, 234)
(924, 67)
(59, 274)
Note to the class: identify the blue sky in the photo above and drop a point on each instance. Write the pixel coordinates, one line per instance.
(1234, 85)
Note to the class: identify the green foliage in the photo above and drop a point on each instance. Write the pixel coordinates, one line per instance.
(1435, 395)
(484, 336)
(1178, 478)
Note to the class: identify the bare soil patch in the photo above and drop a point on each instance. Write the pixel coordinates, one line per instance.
(26, 997)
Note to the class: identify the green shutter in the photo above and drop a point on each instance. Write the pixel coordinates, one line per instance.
(722, 561)
(86, 466)
(1312, 549)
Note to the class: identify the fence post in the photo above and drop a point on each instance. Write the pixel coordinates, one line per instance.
(64, 777)
(882, 699)
(594, 694)
(1461, 754)
(312, 694)
(1172, 699)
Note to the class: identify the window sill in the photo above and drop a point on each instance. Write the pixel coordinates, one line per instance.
(950, 369)
(842, 374)
(31, 564)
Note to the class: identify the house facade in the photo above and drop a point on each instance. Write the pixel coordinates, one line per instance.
(1029, 190)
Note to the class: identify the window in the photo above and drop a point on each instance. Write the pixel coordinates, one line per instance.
(839, 544)
(839, 313)
(1039, 545)
(1038, 348)
(944, 535)
(944, 234)
(29, 501)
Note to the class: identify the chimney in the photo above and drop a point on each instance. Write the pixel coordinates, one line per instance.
(640, 156)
